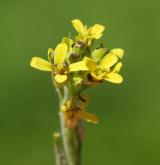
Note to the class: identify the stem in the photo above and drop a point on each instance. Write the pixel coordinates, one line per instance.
(70, 136)
(71, 143)
(58, 149)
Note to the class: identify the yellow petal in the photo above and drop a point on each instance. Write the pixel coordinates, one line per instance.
(109, 60)
(60, 78)
(60, 53)
(68, 41)
(118, 52)
(117, 67)
(82, 102)
(41, 64)
(90, 63)
(99, 77)
(96, 36)
(96, 31)
(89, 41)
(50, 50)
(78, 25)
(114, 78)
(78, 66)
(87, 116)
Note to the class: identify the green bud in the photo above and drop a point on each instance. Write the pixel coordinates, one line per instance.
(79, 47)
(74, 57)
(77, 80)
(99, 53)
(79, 50)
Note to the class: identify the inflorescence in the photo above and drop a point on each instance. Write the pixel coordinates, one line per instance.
(76, 65)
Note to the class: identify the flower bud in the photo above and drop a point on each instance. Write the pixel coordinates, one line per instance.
(77, 80)
(99, 53)
(74, 57)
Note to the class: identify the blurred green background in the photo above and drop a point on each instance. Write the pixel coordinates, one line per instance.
(129, 128)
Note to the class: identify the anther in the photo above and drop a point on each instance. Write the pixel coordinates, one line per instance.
(80, 44)
(65, 64)
(75, 55)
(55, 65)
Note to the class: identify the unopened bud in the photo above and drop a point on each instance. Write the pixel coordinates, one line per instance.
(77, 81)
(98, 54)
(80, 44)
(74, 57)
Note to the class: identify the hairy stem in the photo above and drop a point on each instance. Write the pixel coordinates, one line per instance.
(70, 136)
(72, 143)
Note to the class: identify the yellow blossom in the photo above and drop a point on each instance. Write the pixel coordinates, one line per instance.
(108, 68)
(87, 34)
(68, 41)
(60, 67)
(75, 110)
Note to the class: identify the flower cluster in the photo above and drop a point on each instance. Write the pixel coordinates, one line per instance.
(75, 65)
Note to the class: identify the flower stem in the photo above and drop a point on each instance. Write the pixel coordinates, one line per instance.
(72, 143)
(59, 155)
(71, 137)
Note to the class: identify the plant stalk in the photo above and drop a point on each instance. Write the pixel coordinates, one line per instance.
(71, 137)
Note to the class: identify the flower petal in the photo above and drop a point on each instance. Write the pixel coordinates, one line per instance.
(96, 31)
(87, 116)
(109, 60)
(78, 66)
(99, 77)
(117, 67)
(60, 53)
(96, 36)
(90, 63)
(60, 78)
(82, 101)
(114, 78)
(118, 52)
(68, 41)
(78, 25)
(41, 64)
(50, 50)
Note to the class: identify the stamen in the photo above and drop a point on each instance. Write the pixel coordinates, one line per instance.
(75, 55)
(55, 65)
(65, 64)
(80, 44)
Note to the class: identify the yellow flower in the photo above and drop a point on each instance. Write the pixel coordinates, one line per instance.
(68, 41)
(88, 34)
(108, 68)
(75, 110)
(60, 67)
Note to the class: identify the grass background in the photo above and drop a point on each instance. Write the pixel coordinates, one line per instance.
(129, 128)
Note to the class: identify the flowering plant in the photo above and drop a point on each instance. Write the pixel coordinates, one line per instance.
(76, 65)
